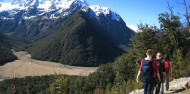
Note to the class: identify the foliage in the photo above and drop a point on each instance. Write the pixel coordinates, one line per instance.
(6, 54)
(27, 85)
(60, 85)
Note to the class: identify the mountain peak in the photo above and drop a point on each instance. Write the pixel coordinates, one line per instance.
(98, 9)
(101, 10)
(52, 8)
(45, 5)
(83, 2)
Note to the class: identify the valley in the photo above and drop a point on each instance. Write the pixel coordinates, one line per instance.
(25, 66)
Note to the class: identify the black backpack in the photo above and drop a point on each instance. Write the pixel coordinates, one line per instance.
(160, 65)
(161, 68)
(147, 69)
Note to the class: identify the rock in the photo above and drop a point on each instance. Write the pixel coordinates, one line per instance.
(138, 91)
(188, 85)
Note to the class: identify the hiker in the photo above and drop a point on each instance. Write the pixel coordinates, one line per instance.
(168, 69)
(160, 85)
(149, 70)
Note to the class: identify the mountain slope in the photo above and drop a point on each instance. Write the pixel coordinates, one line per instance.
(77, 42)
(6, 54)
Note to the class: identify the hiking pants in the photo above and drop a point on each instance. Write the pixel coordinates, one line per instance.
(148, 86)
(167, 80)
(159, 88)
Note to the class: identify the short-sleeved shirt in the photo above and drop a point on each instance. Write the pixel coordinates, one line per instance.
(154, 66)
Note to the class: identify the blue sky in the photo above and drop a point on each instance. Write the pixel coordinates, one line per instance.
(139, 11)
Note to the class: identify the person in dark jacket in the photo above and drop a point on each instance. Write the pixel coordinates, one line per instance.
(160, 85)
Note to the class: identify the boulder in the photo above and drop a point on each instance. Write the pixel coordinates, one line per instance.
(188, 85)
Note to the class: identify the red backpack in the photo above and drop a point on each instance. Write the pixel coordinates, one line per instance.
(167, 65)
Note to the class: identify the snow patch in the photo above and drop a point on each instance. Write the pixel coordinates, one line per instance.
(100, 9)
(29, 17)
(41, 4)
(133, 27)
(9, 6)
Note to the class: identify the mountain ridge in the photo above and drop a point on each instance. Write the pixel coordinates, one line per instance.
(48, 6)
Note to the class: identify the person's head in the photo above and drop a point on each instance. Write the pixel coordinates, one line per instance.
(149, 52)
(158, 55)
(166, 56)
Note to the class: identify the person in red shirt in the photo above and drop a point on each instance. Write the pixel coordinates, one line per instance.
(149, 70)
(168, 69)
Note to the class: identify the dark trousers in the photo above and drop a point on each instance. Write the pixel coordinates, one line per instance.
(167, 80)
(148, 86)
(159, 88)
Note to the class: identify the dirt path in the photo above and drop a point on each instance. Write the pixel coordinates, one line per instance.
(25, 66)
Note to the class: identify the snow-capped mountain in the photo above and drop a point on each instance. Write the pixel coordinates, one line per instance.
(98, 10)
(34, 8)
(41, 4)
(49, 8)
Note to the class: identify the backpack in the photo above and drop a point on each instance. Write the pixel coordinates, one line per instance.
(147, 70)
(160, 66)
(167, 65)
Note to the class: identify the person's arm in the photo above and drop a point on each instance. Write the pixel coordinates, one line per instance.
(138, 76)
(158, 75)
(139, 73)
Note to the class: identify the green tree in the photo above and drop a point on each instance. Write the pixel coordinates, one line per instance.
(144, 40)
(60, 86)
